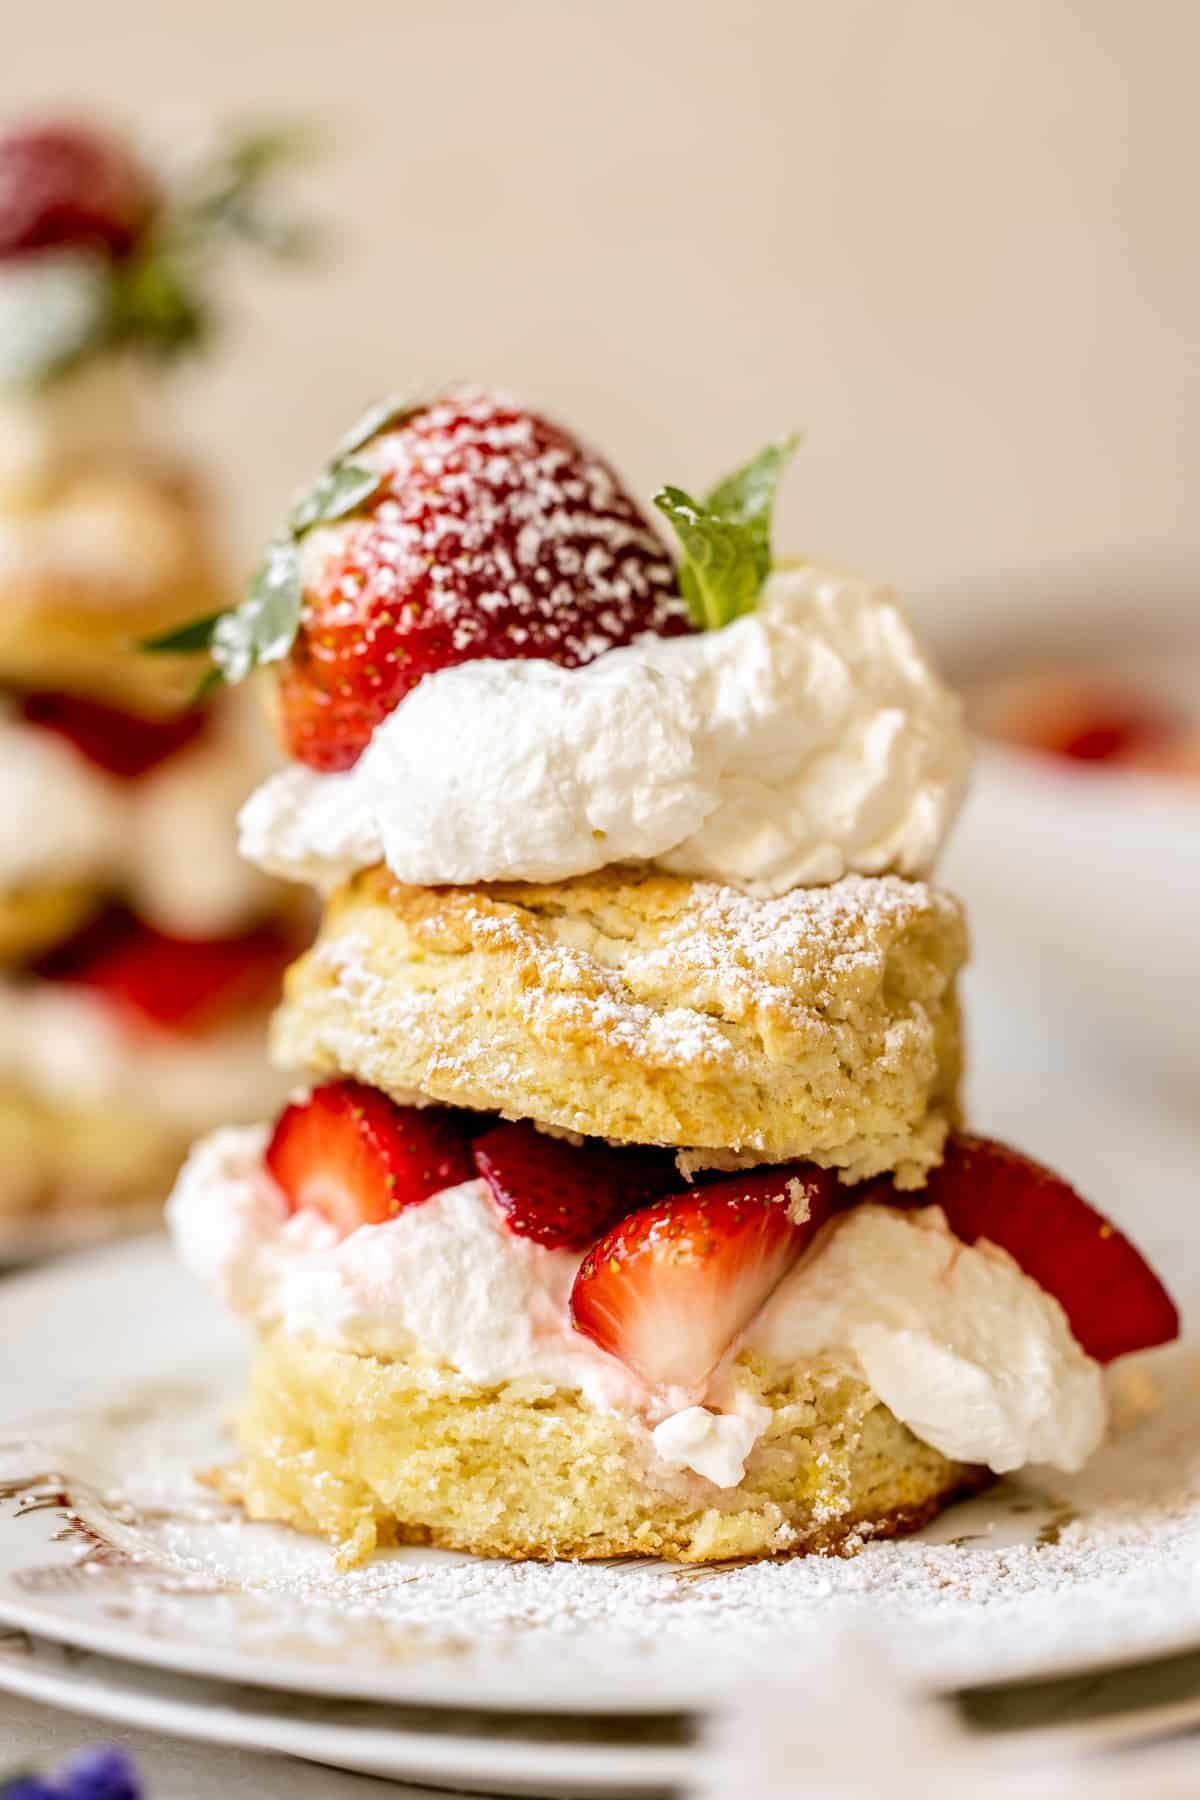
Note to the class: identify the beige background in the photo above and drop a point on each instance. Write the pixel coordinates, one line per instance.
(955, 240)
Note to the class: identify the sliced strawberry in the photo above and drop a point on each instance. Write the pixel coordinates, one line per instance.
(354, 1155)
(179, 984)
(120, 743)
(494, 534)
(567, 1195)
(669, 1288)
(70, 184)
(1113, 1299)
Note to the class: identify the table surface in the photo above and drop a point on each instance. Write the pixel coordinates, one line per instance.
(173, 1769)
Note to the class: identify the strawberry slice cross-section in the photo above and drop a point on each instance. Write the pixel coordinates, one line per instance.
(350, 1153)
(669, 1288)
(566, 1195)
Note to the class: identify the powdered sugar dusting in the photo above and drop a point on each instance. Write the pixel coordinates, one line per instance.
(522, 517)
(1041, 1570)
(1100, 1566)
(729, 954)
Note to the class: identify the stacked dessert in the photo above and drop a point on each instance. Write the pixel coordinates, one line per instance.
(138, 953)
(629, 1211)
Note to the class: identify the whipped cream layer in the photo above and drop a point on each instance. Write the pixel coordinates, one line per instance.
(804, 741)
(974, 1357)
(75, 1050)
(965, 1349)
(165, 840)
(445, 1281)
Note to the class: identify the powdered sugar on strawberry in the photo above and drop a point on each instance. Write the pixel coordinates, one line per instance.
(494, 535)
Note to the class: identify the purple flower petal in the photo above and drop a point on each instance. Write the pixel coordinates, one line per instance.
(105, 1773)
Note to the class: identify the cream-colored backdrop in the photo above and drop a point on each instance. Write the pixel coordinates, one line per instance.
(953, 239)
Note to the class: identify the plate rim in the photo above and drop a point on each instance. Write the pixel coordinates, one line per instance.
(434, 1755)
(435, 1681)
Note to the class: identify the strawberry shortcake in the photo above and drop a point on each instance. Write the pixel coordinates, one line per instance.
(138, 952)
(629, 1208)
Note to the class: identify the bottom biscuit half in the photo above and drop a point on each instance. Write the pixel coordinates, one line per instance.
(370, 1452)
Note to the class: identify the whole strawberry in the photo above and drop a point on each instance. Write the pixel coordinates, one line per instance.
(70, 185)
(490, 533)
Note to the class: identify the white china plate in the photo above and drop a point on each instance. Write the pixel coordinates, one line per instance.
(532, 1754)
(481, 1753)
(33, 1237)
(117, 1378)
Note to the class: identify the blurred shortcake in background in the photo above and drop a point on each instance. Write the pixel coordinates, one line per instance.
(138, 955)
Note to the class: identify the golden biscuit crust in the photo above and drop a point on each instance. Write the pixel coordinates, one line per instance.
(108, 559)
(368, 1451)
(651, 1009)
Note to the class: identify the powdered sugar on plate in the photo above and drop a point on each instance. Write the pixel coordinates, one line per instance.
(107, 1540)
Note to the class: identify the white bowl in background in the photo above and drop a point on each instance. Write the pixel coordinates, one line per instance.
(1094, 874)
(1090, 871)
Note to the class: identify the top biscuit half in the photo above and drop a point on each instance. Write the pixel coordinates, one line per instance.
(650, 1009)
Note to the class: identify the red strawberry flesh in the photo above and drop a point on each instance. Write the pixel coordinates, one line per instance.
(566, 1195)
(1113, 1299)
(1079, 715)
(120, 743)
(177, 984)
(67, 185)
(493, 535)
(669, 1288)
(353, 1155)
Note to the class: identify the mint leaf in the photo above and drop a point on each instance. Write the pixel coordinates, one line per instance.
(720, 575)
(153, 303)
(747, 497)
(197, 634)
(342, 488)
(388, 414)
(229, 194)
(726, 538)
(208, 683)
(263, 628)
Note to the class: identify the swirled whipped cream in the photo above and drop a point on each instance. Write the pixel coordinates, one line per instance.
(65, 821)
(963, 1347)
(806, 740)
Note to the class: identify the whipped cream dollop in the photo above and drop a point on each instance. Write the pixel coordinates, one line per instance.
(806, 740)
(974, 1357)
(963, 1347)
(166, 839)
(712, 1444)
